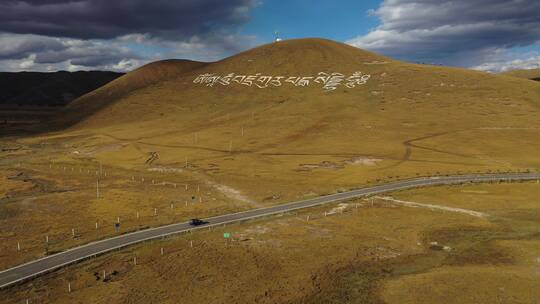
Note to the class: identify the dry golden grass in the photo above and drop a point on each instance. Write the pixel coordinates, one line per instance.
(472, 284)
(247, 147)
(498, 265)
(297, 142)
(143, 77)
(527, 74)
(367, 254)
(414, 119)
(51, 200)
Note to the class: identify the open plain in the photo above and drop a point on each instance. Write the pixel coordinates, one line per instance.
(155, 147)
(362, 251)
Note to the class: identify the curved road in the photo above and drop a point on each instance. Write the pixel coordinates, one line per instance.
(38, 267)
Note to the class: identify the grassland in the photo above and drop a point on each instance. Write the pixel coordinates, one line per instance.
(533, 74)
(164, 149)
(361, 252)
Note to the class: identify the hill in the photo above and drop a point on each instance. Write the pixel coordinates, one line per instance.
(391, 82)
(403, 118)
(25, 116)
(50, 89)
(533, 74)
(29, 100)
(142, 77)
(281, 122)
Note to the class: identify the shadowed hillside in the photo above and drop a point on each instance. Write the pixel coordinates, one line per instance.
(29, 100)
(25, 117)
(50, 89)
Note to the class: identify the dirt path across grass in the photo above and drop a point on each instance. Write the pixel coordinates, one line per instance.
(431, 206)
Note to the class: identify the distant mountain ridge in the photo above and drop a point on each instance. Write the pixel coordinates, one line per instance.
(50, 89)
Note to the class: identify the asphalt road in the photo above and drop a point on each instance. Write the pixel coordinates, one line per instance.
(38, 267)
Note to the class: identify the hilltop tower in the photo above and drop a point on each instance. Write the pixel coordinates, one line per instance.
(276, 37)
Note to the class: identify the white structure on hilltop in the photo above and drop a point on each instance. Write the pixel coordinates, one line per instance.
(277, 39)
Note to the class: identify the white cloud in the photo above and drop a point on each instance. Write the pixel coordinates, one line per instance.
(506, 64)
(126, 65)
(207, 48)
(45, 35)
(14, 46)
(40, 53)
(27, 63)
(458, 32)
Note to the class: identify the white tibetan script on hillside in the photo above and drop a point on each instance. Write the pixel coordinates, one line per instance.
(328, 81)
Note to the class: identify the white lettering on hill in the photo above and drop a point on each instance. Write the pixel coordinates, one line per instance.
(328, 81)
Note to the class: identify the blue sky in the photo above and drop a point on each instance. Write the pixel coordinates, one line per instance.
(300, 18)
(489, 35)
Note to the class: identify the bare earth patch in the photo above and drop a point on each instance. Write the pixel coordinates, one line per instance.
(431, 206)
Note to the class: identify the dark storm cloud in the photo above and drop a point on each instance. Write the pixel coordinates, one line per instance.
(459, 32)
(87, 19)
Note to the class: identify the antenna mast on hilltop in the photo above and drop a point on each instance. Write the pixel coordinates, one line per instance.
(276, 38)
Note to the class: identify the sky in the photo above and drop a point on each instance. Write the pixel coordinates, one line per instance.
(120, 35)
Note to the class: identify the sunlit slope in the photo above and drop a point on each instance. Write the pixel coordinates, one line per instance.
(142, 77)
(406, 120)
(393, 87)
(533, 74)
